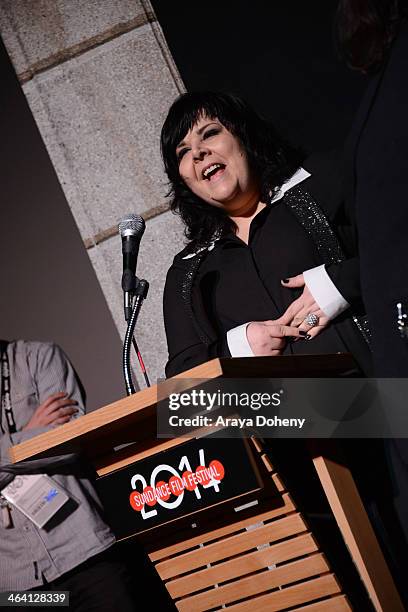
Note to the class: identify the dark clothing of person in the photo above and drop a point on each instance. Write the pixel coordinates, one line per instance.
(101, 584)
(244, 281)
(237, 283)
(378, 156)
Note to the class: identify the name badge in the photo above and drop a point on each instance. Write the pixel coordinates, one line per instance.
(37, 496)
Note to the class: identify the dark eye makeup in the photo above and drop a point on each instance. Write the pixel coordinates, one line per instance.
(213, 131)
(180, 154)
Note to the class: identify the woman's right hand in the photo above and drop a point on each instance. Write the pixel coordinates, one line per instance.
(270, 337)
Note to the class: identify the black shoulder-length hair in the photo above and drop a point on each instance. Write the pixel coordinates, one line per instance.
(273, 160)
(366, 29)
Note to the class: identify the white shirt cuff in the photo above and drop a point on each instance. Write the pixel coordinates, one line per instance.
(238, 342)
(325, 292)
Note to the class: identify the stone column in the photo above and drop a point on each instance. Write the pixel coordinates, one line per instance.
(99, 79)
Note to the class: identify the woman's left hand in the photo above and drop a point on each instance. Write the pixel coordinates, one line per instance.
(304, 305)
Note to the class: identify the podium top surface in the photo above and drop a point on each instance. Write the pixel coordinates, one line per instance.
(133, 418)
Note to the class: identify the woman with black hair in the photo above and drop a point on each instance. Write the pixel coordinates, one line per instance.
(263, 273)
(271, 266)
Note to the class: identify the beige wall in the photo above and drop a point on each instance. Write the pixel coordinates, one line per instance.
(99, 78)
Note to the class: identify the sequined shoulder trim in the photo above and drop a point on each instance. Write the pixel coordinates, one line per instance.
(207, 247)
(314, 221)
(187, 291)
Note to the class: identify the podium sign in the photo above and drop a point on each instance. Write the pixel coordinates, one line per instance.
(192, 477)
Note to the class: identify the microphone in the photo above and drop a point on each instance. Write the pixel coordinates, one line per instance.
(131, 229)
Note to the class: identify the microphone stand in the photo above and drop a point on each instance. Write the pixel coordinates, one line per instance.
(133, 305)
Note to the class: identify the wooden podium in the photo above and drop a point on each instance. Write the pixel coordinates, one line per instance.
(245, 550)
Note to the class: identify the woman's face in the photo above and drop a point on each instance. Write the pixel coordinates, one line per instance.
(213, 164)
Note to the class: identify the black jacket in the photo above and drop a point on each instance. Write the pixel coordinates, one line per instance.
(377, 178)
(191, 336)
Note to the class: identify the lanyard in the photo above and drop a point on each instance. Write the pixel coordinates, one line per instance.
(6, 406)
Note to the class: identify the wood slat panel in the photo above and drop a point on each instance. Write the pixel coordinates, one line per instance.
(257, 444)
(282, 528)
(290, 596)
(333, 604)
(286, 507)
(280, 485)
(358, 533)
(278, 482)
(252, 585)
(251, 562)
(267, 463)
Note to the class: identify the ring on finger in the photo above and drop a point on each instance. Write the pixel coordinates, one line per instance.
(311, 319)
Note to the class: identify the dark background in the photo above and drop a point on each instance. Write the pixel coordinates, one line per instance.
(279, 55)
